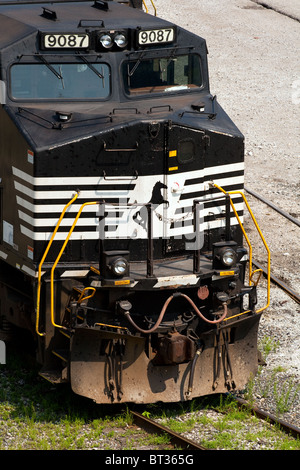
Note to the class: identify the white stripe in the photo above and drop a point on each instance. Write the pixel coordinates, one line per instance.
(212, 170)
(44, 195)
(58, 181)
(93, 222)
(29, 271)
(23, 189)
(206, 211)
(75, 273)
(229, 181)
(45, 236)
(3, 255)
(27, 205)
(187, 204)
(124, 229)
(93, 180)
(22, 175)
(52, 208)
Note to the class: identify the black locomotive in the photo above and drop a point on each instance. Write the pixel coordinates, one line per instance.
(121, 205)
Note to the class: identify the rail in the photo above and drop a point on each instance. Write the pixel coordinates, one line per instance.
(43, 260)
(178, 441)
(149, 254)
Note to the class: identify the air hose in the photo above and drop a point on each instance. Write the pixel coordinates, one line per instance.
(163, 311)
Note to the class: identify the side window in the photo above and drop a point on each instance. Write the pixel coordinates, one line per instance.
(186, 150)
(163, 74)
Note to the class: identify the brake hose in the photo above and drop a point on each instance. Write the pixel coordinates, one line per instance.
(163, 310)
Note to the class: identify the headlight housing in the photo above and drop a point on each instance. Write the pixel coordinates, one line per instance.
(114, 265)
(113, 39)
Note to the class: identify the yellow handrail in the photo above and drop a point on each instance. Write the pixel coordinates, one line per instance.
(57, 260)
(95, 202)
(81, 298)
(42, 261)
(153, 5)
(250, 247)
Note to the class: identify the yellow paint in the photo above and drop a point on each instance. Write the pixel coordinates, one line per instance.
(120, 283)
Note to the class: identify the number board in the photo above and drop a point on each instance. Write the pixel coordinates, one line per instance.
(156, 36)
(65, 41)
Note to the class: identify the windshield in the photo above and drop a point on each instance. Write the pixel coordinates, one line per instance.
(60, 81)
(152, 75)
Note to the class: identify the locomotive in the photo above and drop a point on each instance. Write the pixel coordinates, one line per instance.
(121, 205)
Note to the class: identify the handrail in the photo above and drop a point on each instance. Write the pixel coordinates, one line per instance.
(57, 260)
(81, 298)
(42, 261)
(97, 202)
(250, 247)
(153, 5)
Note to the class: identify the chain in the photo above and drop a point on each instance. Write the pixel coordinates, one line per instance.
(172, 220)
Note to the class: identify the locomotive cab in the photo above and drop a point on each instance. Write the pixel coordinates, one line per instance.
(122, 205)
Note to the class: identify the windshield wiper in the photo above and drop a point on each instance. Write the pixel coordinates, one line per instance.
(132, 71)
(91, 66)
(50, 67)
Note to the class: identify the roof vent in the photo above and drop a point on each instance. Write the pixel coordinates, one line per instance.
(49, 14)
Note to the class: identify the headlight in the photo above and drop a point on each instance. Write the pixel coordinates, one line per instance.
(119, 267)
(120, 40)
(106, 41)
(113, 39)
(228, 257)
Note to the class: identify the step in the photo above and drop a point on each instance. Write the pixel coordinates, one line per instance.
(63, 354)
(53, 376)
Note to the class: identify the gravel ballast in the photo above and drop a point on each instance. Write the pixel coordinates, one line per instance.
(254, 72)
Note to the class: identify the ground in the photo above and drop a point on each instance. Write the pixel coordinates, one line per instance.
(254, 71)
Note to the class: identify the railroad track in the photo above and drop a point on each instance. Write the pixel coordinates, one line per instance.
(176, 439)
(284, 426)
(276, 208)
(291, 292)
(180, 442)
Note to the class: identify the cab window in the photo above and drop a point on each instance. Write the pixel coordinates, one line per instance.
(60, 81)
(157, 75)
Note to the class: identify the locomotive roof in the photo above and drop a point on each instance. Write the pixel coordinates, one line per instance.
(19, 19)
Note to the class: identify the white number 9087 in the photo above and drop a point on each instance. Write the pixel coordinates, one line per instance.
(66, 40)
(156, 36)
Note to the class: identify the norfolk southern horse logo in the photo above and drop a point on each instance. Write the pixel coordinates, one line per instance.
(125, 214)
(141, 216)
